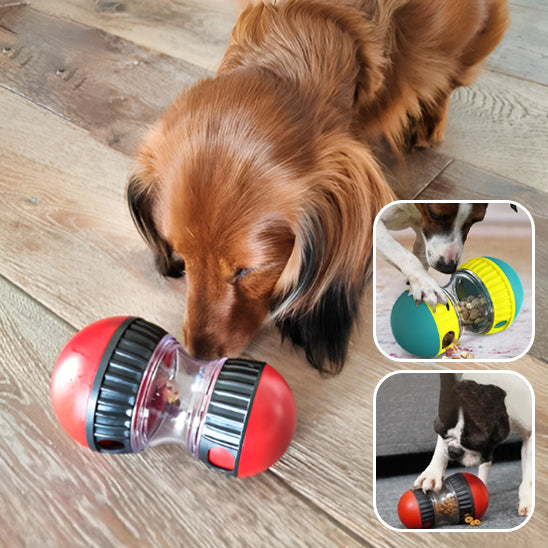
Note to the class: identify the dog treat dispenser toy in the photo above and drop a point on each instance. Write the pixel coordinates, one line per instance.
(122, 384)
(484, 296)
(462, 495)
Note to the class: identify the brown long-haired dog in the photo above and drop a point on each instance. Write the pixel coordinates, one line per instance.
(259, 184)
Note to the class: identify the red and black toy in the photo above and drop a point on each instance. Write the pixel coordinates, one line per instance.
(461, 495)
(122, 384)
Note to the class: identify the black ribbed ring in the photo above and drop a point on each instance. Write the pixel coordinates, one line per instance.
(114, 391)
(228, 411)
(463, 493)
(425, 508)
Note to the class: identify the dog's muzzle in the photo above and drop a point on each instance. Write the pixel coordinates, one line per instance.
(446, 268)
(455, 453)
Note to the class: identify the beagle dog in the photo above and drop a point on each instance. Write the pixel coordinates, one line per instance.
(441, 229)
(476, 413)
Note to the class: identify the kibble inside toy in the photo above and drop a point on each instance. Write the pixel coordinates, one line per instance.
(463, 498)
(484, 296)
(122, 384)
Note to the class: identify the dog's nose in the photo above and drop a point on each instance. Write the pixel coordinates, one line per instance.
(446, 268)
(199, 346)
(455, 453)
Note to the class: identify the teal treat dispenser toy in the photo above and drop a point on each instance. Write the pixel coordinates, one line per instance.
(484, 296)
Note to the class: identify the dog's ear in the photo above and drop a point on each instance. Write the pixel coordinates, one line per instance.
(486, 419)
(324, 331)
(317, 299)
(141, 198)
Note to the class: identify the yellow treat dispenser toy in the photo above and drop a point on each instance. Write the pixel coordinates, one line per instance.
(484, 296)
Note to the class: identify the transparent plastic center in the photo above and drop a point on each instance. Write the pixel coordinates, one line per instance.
(172, 398)
(446, 507)
(471, 301)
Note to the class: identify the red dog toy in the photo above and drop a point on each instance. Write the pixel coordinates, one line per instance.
(462, 496)
(122, 384)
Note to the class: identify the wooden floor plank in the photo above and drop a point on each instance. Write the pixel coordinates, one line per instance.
(198, 30)
(56, 493)
(410, 175)
(523, 50)
(194, 30)
(65, 224)
(500, 124)
(465, 182)
(104, 84)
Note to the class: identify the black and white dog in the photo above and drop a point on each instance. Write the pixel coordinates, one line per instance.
(476, 413)
(441, 229)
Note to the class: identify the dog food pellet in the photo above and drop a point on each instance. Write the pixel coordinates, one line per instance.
(470, 520)
(474, 313)
(446, 508)
(455, 353)
(173, 397)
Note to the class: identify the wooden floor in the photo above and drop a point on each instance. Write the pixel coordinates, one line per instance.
(79, 83)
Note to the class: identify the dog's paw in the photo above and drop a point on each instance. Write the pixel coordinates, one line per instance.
(424, 288)
(525, 500)
(430, 479)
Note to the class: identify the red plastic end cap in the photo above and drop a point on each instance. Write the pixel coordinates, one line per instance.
(74, 373)
(271, 424)
(409, 511)
(479, 494)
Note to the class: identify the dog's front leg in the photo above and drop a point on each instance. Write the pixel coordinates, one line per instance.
(432, 477)
(526, 486)
(483, 471)
(419, 250)
(422, 286)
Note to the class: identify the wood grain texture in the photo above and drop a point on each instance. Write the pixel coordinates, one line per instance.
(102, 83)
(63, 196)
(523, 50)
(194, 30)
(500, 124)
(410, 175)
(491, 124)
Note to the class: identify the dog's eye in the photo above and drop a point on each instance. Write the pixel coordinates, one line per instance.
(241, 273)
(176, 267)
(436, 217)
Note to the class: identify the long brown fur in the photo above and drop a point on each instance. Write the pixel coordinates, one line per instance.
(260, 185)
